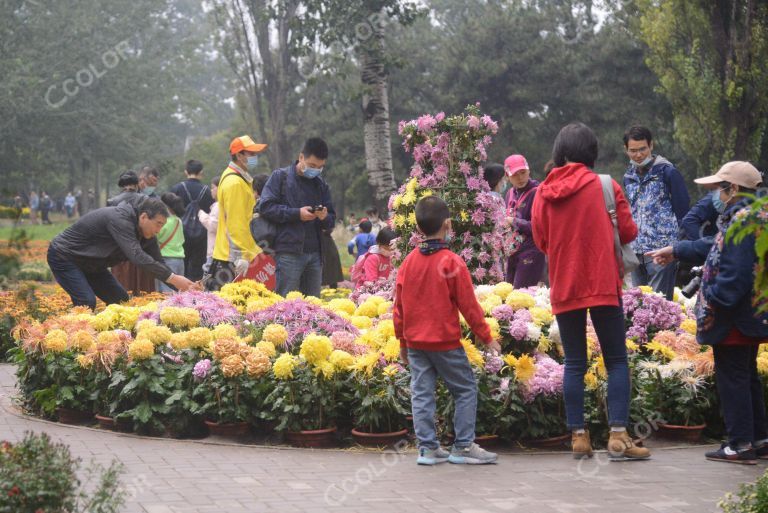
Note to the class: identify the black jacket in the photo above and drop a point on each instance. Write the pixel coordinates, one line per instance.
(195, 187)
(108, 236)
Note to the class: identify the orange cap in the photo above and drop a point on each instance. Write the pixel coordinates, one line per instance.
(245, 143)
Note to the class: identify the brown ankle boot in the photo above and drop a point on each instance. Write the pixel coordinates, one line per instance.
(621, 447)
(580, 445)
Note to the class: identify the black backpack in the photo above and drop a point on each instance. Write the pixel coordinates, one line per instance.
(193, 228)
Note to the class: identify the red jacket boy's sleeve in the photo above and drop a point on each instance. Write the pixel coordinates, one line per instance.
(627, 226)
(397, 310)
(460, 284)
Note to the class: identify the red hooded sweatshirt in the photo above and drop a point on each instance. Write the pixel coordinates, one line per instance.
(572, 227)
(430, 291)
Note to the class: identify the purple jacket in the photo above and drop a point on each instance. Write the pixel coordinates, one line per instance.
(520, 201)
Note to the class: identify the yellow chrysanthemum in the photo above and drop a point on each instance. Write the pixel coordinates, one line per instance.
(386, 328)
(376, 300)
(646, 289)
(268, 348)
(367, 309)
(256, 304)
(425, 193)
(276, 334)
(473, 353)
(397, 201)
(156, 334)
(490, 302)
(600, 368)
(762, 348)
(180, 317)
(391, 370)
(392, 349)
(762, 365)
(82, 340)
(660, 349)
(632, 347)
(689, 326)
(541, 316)
(590, 380)
(107, 339)
(224, 331)
(365, 364)
(294, 295)
(544, 344)
(178, 341)
(127, 317)
(341, 359)
(525, 368)
(502, 290)
(361, 322)
(324, 368)
(145, 324)
(342, 305)
(257, 363)
(509, 359)
(316, 348)
(412, 218)
(314, 300)
(198, 338)
(55, 341)
(103, 321)
(232, 366)
(384, 308)
(141, 349)
(495, 328)
(518, 300)
(284, 365)
(399, 221)
(85, 361)
(464, 216)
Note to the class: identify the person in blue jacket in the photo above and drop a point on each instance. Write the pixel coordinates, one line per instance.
(727, 319)
(701, 220)
(298, 201)
(659, 200)
(363, 241)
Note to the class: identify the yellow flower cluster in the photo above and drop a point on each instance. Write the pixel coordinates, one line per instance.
(224, 331)
(762, 364)
(364, 364)
(156, 334)
(361, 322)
(367, 309)
(518, 300)
(275, 334)
(474, 355)
(82, 340)
(660, 349)
(391, 370)
(180, 317)
(104, 320)
(294, 295)
(590, 380)
(544, 344)
(342, 360)
(85, 361)
(341, 305)
(324, 367)
(490, 302)
(246, 293)
(503, 290)
(316, 348)
(284, 365)
(55, 341)
(257, 364)
(689, 326)
(268, 348)
(386, 328)
(493, 323)
(232, 366)
(524, 366)
(198, 338)
(257, 303)
(141, 349)
(391, 350)
(541, 316)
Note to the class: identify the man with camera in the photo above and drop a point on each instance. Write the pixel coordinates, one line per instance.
(298, 201)
(726, 315)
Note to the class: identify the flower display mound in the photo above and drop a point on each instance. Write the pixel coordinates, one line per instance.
(448, 153)
(300, 318)
(213, 309)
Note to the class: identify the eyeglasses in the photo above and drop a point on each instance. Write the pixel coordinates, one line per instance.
(635, 151)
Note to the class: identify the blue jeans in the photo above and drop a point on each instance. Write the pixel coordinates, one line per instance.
(84, 287)
(177, 266)
(456, 372)
(661, 278)
(611, 333)
(299, 271)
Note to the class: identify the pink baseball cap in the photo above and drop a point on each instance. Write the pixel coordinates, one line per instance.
(515, 163)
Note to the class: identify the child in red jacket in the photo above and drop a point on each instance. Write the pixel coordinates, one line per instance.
(433, 285)
(377, 262)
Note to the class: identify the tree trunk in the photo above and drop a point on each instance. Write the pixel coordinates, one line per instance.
(376, 133)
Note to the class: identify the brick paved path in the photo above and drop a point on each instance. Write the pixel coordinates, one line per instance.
(170, 476)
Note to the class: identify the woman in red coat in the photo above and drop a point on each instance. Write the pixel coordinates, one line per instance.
(571, 225)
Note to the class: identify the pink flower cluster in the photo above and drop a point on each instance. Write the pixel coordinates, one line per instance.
(213, 309)
(547, 380)
(650, 313)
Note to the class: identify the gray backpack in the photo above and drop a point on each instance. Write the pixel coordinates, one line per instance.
(625, 256)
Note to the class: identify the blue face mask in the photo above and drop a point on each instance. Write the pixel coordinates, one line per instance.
(148, 190)
(312, 172)
(717, 202)
(253, 161)
(643, 163)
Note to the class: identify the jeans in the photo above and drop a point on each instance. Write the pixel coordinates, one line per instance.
(83, 288)
(456, 372)
(299, 271)
(661, 278)
(177, 266)
(609, 326)
(741, 393)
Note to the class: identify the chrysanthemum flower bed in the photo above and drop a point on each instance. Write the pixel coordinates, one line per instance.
(298, 363)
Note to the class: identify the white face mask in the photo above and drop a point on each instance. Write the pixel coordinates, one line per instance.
(643, 163)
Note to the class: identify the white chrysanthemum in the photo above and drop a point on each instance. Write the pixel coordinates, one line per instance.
(692, 382)
(534, 332)
(648, 367)
(542, 298)
(483, 291)
(680, 366)
(554, 333)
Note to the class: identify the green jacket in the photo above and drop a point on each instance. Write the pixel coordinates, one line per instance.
(174, 247)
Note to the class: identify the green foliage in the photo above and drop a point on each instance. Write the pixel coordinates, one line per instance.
(140, 390)
(306, 401)
(752, 224)
(710, 61)
(751, 498)
(380, 402)
(678, 398)
(39, 475)
(35, 271)
(228, 400)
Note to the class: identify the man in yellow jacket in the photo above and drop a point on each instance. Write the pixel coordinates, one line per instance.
(235, 248)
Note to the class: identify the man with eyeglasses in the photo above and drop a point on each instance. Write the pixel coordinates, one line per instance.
(659, 200)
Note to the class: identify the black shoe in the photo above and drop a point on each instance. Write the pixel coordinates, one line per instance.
(728, 455)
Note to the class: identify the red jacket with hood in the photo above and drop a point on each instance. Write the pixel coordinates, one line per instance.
(572, 227)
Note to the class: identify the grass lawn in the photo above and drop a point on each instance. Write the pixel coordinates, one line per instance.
(34, 232)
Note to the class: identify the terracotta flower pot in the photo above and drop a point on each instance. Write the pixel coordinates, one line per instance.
(228, 428)
(553, 442)
(312, 438)
(688, 434)
(72, 416)
(378, 439)
(106, 422)
(483, 441)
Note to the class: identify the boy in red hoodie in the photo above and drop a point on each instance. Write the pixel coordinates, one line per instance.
(433, 285)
